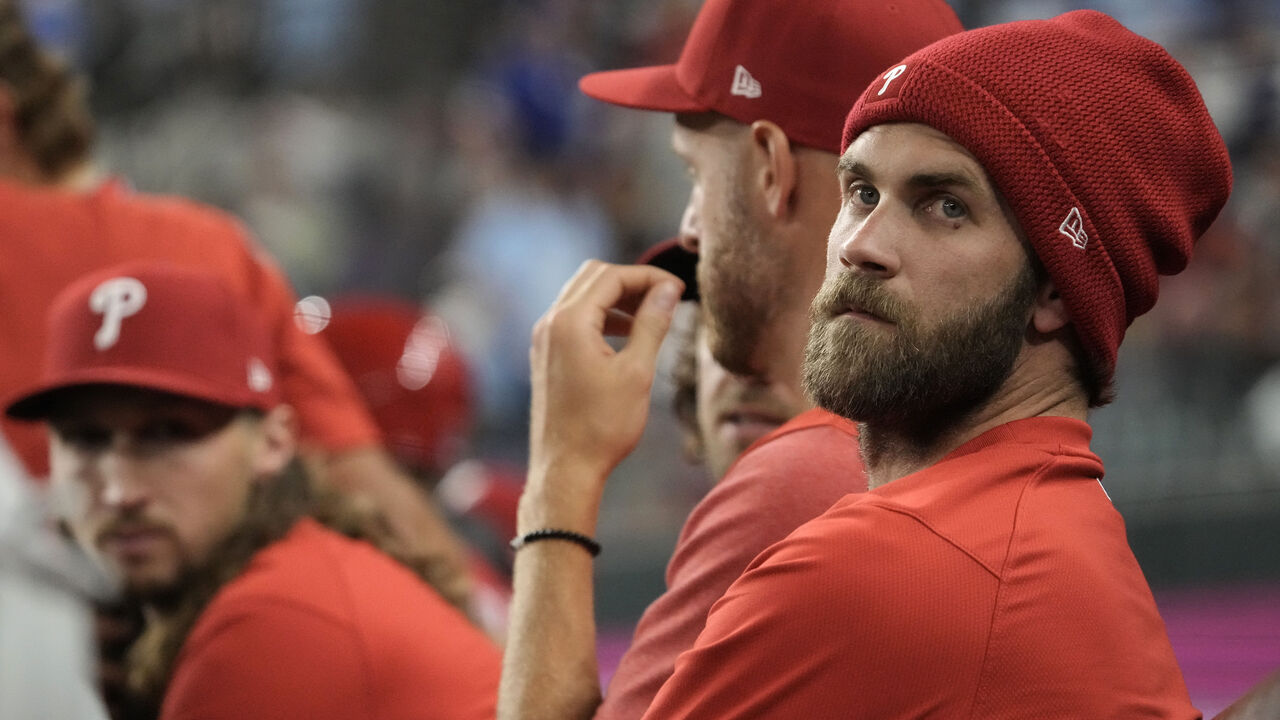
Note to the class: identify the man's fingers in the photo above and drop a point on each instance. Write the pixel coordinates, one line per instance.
(615, 286)
(617, 323)
(652, 320)
(573, 286)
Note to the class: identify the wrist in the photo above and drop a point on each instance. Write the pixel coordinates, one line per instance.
(561, 495)
(556, 534)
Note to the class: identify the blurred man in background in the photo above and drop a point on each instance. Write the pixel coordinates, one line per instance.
(759, 92)
(62, 218)
(417, 383)
(160, 386)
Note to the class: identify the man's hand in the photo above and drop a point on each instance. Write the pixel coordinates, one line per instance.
(590, 401)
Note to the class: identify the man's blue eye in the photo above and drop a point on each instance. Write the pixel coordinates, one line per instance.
(952, 208)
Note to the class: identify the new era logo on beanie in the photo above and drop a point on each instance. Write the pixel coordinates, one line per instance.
(1096, 137)
(796, 63)
(155, 326)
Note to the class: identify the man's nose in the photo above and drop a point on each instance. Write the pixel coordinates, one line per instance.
(121, 481)
(869, 244)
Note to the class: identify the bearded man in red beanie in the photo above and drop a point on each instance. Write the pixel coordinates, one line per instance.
(1011, 195)
(170, 440)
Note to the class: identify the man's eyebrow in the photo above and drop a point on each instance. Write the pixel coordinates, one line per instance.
(946, 178)
(853, 167)
(958, 178)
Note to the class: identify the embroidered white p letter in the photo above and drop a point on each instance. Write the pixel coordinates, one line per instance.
(890, 76)
(115, 300)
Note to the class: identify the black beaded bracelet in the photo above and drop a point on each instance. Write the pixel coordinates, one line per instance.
(590, 545)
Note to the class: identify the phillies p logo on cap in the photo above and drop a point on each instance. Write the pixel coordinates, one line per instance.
(154, 325)
(115, 300)
(890, 81)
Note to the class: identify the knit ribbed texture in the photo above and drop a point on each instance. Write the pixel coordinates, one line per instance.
(1096, 137)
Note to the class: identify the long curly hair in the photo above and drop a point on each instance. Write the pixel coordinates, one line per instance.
(50, 112)
(274, 507)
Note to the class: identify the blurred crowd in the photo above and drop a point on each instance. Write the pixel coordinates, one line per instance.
(440, 153)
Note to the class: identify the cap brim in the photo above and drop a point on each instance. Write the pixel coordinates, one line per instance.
(671, 256)
(35, 403)
(645, 88)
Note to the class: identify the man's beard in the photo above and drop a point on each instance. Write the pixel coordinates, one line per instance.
(909, 378)
(165, 595)
(739, 295)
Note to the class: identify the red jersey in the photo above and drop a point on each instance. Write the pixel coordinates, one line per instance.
(53, 236)
(323, 627)
(997, 583)
(782, 481)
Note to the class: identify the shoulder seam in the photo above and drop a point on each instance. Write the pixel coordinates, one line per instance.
(1000, 586)
(881, 503)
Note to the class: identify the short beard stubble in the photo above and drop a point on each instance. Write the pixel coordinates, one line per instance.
(740, 297)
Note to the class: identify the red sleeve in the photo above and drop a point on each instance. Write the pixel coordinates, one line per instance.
(267, 660)
(777, 485)
(330, 409)
(820, 624)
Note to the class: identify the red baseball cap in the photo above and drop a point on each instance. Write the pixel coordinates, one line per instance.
(411, 374)
(1097, 138)
(797, 63)
(156, 326)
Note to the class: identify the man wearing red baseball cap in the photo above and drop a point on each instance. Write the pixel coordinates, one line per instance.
(62, 219)
(759, 92)
(1011, 195)
(160, 386)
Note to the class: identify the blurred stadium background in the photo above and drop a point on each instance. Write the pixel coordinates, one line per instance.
(439, 151)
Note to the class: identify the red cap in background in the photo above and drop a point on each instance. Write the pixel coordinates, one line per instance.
(156, 326)
(797, 63)
(411, 374)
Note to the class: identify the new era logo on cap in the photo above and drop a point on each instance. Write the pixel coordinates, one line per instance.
(1073, 227)
(744, 84)
(259, 376)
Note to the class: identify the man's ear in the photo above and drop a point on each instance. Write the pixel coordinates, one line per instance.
(1050, 313)
(775, 167)
(278, 442)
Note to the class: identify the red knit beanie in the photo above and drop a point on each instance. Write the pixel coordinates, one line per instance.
(1096, 137)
